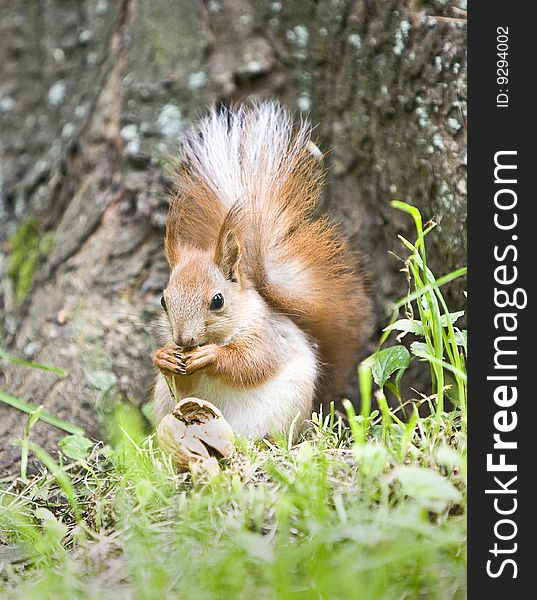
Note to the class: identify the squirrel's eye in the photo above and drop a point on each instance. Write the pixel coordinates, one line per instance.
(163, 303)
(217, 302)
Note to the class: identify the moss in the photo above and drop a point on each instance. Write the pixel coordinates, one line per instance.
(28, 245)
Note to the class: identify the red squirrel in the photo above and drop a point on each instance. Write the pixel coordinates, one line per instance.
(265, 304)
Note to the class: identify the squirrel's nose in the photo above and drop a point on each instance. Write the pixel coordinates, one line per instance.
(185, 342)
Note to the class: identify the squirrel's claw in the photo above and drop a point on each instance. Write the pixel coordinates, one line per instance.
(201, 358)
(167, 361)
(180, 358)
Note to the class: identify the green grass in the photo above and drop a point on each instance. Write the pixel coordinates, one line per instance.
(368, 506)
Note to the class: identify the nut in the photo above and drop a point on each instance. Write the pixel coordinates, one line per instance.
(195, 433)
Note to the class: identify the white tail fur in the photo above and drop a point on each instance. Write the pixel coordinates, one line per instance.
(245, 153)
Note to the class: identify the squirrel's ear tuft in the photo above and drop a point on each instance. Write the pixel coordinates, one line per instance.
(228, 254)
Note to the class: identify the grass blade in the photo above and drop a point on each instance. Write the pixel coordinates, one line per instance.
(44, 416)
(27, 363)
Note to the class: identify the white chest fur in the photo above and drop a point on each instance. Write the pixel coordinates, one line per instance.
(272, 406)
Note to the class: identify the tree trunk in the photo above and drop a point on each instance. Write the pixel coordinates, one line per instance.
(94, 96)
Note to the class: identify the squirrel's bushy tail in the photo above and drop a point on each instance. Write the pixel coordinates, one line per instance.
(253, 171)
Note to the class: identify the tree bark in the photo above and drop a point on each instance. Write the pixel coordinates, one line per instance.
(94, 96)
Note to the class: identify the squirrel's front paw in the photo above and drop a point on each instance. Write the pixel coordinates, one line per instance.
(200, 358)
(169, 361)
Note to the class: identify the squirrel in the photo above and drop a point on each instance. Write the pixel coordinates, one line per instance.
(266, 305)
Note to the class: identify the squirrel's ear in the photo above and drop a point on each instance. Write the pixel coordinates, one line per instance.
(228, 254)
